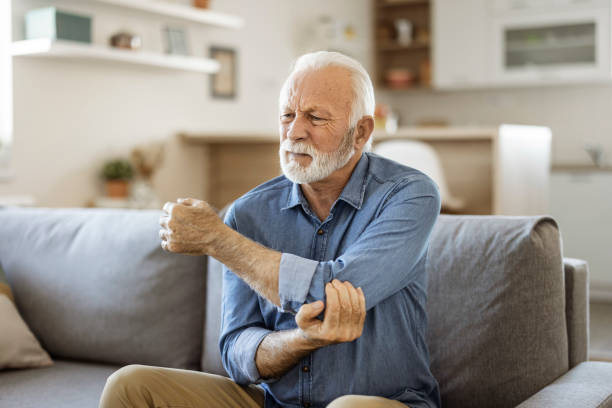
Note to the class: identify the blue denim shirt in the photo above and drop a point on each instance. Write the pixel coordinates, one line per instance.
(376, 237)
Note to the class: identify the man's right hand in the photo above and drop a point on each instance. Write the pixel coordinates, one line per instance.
(343, 320)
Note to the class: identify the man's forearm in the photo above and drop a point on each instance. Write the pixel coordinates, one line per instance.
(257, 265)
(280, 351)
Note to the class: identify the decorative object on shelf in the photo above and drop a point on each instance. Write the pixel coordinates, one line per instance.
(223, 83)
(399, 78)
(402, 43)
(385, 119)
(49, 22)
(176, 41)
(117, 173)
(147, 159)
(596, 153)
(432, 122)
(425, 72)
(125, 40)
(421, 35)
(403, 29)
(201, 3)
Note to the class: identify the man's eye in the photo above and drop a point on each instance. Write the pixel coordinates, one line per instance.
(313, 117)
(286, 115)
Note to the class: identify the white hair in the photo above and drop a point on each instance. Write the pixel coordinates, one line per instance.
(363, 91)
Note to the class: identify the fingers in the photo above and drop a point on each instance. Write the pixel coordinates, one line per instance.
(307, 313)
(164, 221)
(355, 306)
(362, 309)
(168, 207)
(346, 310)
(191, 202)
(331, 319)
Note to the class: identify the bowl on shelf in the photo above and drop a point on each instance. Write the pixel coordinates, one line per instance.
(399, 78)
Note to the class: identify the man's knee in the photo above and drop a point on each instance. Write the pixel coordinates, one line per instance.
(127, 376)
(345, 401)
(363, 401)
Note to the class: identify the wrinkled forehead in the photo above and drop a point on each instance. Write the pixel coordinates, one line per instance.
(329, 86)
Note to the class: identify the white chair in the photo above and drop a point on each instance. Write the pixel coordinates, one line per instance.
(423, 157)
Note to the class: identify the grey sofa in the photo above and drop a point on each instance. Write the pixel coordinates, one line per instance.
(508, 315)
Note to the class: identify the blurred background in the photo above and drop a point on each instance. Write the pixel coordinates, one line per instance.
(507, 104)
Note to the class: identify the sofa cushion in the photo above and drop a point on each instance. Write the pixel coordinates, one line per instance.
(67, 384)
(496, 306)
(94, 284)
(18, 346)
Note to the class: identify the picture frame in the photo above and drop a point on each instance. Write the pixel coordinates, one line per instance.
(176, 40)
(223, 84)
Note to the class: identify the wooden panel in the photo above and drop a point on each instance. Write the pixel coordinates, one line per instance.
(237, 168)
(468, 168)
(389, 54)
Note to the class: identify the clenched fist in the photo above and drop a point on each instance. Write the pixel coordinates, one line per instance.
(189, 227)
(344, 317)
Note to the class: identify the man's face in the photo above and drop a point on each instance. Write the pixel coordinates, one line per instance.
(314, 124)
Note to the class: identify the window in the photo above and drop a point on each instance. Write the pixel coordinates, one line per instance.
(6, 84)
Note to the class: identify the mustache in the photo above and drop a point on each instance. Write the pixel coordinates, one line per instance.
(297, 147)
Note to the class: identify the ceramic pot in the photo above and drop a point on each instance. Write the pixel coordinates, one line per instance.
(117, 188)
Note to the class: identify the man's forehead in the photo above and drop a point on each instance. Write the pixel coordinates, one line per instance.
(325, 88)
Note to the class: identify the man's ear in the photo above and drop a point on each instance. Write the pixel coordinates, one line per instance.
(363, 131)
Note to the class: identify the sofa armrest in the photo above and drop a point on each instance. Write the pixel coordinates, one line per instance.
(587, 385)
(576, 309)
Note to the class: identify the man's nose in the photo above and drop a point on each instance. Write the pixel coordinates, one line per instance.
(297, 130)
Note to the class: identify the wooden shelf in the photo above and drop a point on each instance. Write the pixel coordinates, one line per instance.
(227, 138)
(412, 88)
(580, 168)
(390, 54)
(181, 12)
(401, 3)
(386, 47)
(432, 133)
(46, 48)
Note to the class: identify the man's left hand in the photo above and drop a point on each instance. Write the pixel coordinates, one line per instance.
(189, 226)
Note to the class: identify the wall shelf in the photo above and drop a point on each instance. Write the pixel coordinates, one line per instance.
(181, 12)
(46, 48)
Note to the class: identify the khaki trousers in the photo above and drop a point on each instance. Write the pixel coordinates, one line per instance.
(140, 386)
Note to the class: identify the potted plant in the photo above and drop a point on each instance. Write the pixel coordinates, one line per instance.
(117, 173)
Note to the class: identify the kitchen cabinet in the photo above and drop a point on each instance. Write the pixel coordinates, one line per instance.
(459, 44)
(480, 43)
(580, 201)
(402, 44)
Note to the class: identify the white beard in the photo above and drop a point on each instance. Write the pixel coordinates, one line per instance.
(321, 166)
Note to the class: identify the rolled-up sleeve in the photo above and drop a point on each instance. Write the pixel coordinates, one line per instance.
(295, 280)
(382, 261)
(242, 326)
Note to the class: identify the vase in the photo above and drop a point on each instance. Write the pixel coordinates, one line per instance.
(117, 188)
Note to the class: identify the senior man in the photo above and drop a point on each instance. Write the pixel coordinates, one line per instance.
(324, 285)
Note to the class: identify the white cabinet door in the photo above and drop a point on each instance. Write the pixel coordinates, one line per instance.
(460, 43)
(582, 205)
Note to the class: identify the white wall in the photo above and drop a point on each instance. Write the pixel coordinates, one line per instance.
(577, 114)
(71, 115)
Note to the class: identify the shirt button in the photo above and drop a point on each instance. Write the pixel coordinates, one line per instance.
(320, 232)
(305, 369)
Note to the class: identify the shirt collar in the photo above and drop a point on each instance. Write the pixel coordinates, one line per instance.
(352, 193)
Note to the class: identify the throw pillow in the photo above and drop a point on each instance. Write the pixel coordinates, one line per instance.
(18, 346)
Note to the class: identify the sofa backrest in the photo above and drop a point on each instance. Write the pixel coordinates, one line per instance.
(496, 306)
(94, 284)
